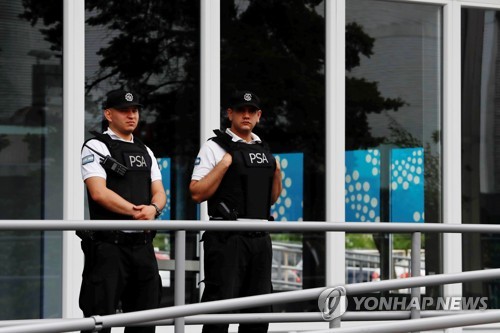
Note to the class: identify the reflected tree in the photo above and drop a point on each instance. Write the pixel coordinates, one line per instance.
(362, 97)
(276, 49)
(151, 48)
(50, 13)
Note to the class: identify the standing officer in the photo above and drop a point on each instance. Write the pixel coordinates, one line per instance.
(240, 178)
(123, 183)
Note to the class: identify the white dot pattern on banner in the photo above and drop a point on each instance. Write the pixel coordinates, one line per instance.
(418, 216)
(404, 179)
(284, 202)
(413, 166)
(360, 201)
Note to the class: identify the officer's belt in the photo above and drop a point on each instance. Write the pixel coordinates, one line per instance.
(125, 238)
(250, 234)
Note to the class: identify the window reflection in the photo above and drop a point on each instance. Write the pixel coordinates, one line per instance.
(277, 50)
(393, 111)
(152, 48)
(31, 156)
(480, 148)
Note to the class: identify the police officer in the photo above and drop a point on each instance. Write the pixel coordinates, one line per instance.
(123, 183)
(240, 178)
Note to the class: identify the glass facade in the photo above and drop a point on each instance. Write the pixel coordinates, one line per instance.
(393, 130)
(152, 48)
(480, 145)
(31, 157)
(276, 49)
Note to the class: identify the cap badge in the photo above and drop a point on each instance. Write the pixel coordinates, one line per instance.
(247, 97)
(129, 97)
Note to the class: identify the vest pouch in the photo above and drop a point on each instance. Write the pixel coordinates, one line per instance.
(257, 196)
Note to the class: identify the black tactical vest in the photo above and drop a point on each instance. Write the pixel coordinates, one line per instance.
(247, 184)
(134, 186)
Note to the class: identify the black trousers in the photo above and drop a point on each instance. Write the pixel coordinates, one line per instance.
(237, 265)
(115, 273)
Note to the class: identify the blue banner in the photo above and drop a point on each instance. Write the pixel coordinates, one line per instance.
(165, 170)
(407, 185)
(362, 186)
(289, 206)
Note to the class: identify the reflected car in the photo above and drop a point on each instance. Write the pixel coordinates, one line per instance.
(362, 274)
(164, 275)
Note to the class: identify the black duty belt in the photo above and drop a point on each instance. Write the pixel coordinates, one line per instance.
(249, 234)
(125, 238)
(252, 234)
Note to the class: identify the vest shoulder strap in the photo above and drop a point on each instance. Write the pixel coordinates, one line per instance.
(223, 139)
(96, 136)
(226, 141)
(106, 139)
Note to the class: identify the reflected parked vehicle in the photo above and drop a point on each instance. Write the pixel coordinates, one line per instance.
(286, 277)
(362, 274)
(164, 275)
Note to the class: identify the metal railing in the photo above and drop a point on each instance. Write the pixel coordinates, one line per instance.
(180, 310)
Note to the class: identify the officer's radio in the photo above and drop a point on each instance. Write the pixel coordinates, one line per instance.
(110, 163)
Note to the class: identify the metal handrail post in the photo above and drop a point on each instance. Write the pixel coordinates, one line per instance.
(415, 270)
(416, 245)
(180, 276)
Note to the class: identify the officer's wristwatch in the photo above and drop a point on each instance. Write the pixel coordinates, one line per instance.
(158, 210)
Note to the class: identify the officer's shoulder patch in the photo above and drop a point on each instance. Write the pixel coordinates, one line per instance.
(197, 161)
(87, 159)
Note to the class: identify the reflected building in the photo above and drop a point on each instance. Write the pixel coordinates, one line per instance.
(31, 162)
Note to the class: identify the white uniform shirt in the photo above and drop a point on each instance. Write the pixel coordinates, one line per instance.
(211, 153)
(91, 166)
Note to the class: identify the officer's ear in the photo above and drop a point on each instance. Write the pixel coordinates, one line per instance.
(107, 114)
(259, 113)
(230, 114)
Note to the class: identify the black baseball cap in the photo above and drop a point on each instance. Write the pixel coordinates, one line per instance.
(244, 98)
(121, 99)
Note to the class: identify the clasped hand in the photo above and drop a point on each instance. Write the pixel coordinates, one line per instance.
(144, 212)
